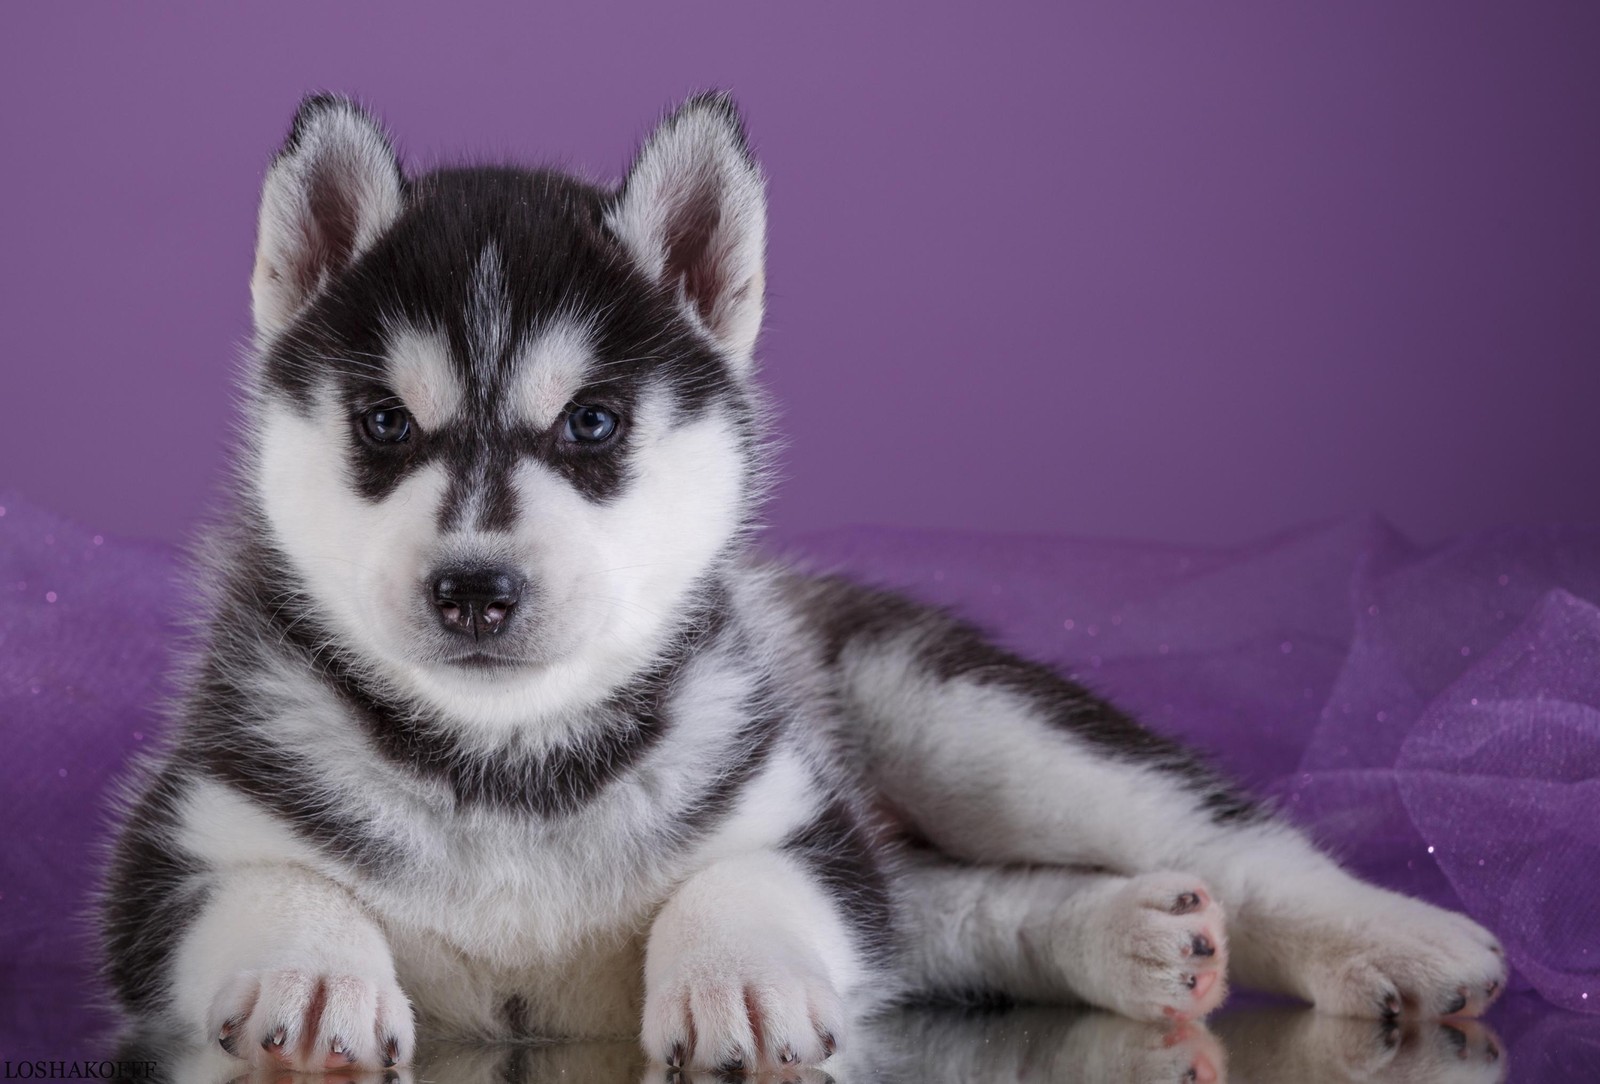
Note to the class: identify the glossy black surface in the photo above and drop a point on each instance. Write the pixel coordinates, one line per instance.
(1523, 1041)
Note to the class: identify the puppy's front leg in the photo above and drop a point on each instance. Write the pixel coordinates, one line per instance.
(284, 969)
(748, 966)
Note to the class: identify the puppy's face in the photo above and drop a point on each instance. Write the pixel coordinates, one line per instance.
(503, 420)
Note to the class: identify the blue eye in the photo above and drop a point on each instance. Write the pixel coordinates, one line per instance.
(590, 424)
(386, 425)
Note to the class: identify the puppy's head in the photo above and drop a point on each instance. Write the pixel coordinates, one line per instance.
(502, 420)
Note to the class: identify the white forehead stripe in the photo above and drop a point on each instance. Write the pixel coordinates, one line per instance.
(488, 321)
(423, 376)
(550, 371)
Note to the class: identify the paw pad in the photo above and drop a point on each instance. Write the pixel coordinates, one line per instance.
(1156, 950)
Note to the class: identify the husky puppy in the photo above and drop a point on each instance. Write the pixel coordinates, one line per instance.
(496, 727)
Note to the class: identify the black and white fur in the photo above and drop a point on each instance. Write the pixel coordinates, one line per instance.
(669, 790)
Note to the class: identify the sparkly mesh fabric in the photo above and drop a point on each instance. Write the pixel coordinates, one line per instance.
(1432, 715)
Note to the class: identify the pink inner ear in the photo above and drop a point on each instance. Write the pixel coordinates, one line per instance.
(691, 256)
(331, 231)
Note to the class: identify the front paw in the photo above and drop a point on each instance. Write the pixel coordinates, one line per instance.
(1154, 949)
(311, 1022)
(1398, 956)
(716, 1009)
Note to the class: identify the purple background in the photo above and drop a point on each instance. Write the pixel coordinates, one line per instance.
(1201, 270)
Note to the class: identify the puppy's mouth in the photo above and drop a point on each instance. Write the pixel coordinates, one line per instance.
(488, 661)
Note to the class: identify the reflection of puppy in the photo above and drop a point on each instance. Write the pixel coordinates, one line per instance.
(1030, 1043)
(919, 1045)
(496, 723)
(534, 1063)
(1291, 1044)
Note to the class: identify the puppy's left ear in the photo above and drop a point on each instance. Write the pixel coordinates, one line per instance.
(331, 191)
(693, 213)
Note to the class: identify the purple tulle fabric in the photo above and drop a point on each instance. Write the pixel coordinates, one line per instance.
(1432, 715)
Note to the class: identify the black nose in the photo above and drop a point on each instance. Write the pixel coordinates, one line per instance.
(476, 602)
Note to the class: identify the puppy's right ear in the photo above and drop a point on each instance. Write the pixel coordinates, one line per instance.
(332, 190)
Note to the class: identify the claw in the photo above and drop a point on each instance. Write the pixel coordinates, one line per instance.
(228, 1037)
(338, 1049)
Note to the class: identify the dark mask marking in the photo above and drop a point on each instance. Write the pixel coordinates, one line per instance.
(556, 261)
